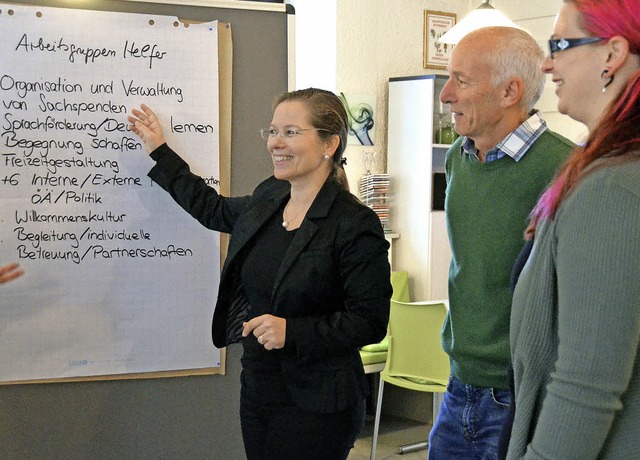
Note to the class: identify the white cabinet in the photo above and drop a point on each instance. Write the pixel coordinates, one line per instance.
(414, 164)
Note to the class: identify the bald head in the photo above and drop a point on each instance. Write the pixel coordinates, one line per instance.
(495, 79)
(509, 53)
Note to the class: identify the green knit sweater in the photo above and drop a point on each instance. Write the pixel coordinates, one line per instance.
(575, 328)
(487, 207)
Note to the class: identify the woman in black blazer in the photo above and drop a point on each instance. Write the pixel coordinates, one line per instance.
(305, 283)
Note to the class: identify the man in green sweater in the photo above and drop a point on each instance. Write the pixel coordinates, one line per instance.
(495, 173)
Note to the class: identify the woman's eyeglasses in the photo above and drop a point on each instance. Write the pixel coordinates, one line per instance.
(561, 44)
(290, 133)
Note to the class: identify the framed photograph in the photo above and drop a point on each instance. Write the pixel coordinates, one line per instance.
(436, 54)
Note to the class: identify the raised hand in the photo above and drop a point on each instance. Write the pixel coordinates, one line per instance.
(146, 125)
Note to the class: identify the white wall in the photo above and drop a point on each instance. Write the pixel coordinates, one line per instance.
(368, 42)
(377, 40)
(315, 43)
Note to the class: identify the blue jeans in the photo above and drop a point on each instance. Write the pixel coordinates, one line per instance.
(469, 423)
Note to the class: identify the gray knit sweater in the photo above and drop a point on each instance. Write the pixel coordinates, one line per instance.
(575, 326)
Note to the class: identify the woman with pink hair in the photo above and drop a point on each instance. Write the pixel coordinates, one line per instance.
(575, 324)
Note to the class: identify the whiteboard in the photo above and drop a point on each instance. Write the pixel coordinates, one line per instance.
(119, 279)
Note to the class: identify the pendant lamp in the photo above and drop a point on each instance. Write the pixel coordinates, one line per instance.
(484, 15)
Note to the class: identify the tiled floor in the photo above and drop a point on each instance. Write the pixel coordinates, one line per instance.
(394, 432)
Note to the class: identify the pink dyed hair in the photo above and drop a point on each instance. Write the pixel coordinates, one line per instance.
(617, 137)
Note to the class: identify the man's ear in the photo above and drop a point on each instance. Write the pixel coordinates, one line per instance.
(512, 92)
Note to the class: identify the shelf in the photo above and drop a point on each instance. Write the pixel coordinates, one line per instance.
(418, 191)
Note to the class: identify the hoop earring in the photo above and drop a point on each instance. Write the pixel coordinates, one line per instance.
(604, 72)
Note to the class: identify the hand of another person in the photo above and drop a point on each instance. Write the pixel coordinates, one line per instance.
(10, 272)
(270, 330)
(147, 126)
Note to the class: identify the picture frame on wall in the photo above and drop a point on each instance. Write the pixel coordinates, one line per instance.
(436, 53)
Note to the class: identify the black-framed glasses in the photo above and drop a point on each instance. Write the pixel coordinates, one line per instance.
(289, 133)
(561, 44)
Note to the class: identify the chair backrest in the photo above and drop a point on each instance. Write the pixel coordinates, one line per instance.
(376, 353)
(415, 348)
(400, 284)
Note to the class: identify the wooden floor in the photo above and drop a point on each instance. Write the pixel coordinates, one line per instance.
(394, 432)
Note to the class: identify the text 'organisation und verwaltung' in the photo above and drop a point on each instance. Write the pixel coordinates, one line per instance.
(41, 87)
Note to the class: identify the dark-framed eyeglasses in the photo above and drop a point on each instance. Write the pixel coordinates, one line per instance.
(289, 133)
(561, 44)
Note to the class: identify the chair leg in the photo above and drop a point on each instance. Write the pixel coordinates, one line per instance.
(414, 447)
(376, 424)
(437, 402)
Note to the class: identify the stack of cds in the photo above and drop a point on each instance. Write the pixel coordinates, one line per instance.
(374, 192)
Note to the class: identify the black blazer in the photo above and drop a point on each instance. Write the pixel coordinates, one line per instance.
(333, 286)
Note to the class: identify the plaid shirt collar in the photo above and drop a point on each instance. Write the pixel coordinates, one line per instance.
(516, 144)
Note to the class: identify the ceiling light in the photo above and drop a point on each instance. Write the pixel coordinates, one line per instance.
(484, 15)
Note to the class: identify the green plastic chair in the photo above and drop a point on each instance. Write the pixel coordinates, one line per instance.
(374, 356)
(415, 359)
(400, 285)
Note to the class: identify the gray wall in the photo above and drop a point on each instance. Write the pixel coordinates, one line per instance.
(169, 418)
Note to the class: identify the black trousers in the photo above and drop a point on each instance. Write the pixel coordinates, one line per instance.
(273, 428)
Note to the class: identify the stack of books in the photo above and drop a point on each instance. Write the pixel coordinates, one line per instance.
(374, 192)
